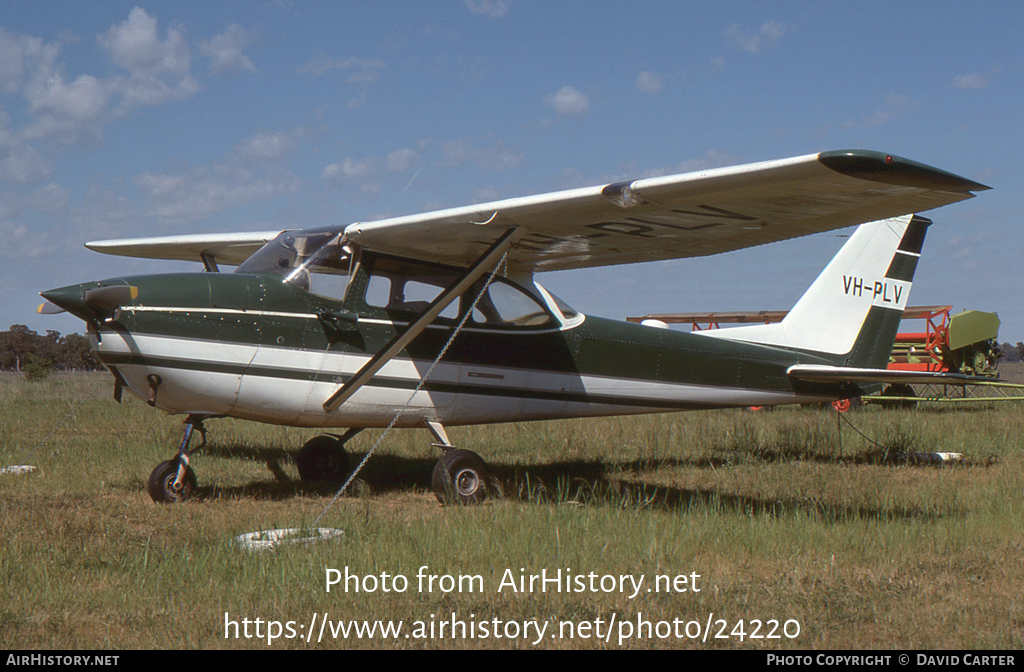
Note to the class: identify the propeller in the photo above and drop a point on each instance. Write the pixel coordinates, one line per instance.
(49, 308)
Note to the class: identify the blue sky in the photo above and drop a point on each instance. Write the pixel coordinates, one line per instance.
(124, 120)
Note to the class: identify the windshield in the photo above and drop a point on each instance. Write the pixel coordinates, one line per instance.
(568, 312)
(295, 254)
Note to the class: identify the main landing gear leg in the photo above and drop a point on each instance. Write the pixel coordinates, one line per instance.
(460, 476)
(174, 481)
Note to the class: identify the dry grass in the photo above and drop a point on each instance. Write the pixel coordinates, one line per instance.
(862, 547)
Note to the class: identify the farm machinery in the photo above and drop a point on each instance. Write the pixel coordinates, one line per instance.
(962, 343)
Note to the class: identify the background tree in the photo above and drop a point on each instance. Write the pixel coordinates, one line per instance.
(66, 353)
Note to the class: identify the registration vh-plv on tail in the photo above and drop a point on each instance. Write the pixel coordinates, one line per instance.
(437, 319)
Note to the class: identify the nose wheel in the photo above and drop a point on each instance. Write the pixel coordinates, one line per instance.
(164, 485)
(174, 481)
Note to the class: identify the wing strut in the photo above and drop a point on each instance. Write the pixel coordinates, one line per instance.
(485, 263)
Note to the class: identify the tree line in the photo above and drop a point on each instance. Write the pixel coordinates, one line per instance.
(1011, 353)
(20, 348)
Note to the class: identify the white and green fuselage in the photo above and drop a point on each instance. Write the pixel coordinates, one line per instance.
(263, 346)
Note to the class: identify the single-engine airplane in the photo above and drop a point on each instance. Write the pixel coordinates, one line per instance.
(338, 327)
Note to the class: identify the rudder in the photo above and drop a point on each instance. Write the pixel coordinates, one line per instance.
(852, 311)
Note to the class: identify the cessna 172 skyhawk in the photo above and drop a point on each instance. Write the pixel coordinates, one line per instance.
(337, 327)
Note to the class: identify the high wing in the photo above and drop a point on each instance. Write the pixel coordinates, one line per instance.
(226, 248)
(688, 215)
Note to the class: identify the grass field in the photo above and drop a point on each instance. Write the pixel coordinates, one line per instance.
(850, 546)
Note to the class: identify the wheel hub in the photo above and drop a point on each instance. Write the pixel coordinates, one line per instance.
(467, 482)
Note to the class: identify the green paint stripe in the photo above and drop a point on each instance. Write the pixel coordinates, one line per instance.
(398, 383)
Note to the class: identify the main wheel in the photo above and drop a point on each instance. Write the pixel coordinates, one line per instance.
(900, 390)
(161, 483)
(322, 459)
(462, 477)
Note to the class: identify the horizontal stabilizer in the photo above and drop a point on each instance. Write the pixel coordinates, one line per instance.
(817, 373)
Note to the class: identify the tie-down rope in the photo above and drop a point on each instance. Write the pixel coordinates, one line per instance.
(419, 386)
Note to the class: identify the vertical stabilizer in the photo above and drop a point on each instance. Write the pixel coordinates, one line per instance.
(853, 309)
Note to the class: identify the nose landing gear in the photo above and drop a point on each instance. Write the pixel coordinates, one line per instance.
(164, 485)
(174, 481)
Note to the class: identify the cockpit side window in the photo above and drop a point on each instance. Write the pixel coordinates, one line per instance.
(405, 286)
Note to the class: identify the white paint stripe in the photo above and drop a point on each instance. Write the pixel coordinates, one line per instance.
(217, 311)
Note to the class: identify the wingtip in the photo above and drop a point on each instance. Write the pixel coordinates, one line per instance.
(892, 169)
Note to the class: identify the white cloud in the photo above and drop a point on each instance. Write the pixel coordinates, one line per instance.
(51, 199)
(401, 160)
(135, 46)
(254, 170)
(346, 172)
(17, 55)
(713, 158)
(492, 9)
(362, 69)
(204, 192)
(650, 82)
(22, 241)
(895, 106)
(83, 100)
(494, 157)
(267, 146)
(158, 70)
(225, 52)
(568, 101)
(20, 163)
(10, 206)
(357, 102)
(73, 111)
(754, 41)
(61, 111)
(971, 81)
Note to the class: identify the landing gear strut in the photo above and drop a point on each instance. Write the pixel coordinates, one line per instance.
(174, 481)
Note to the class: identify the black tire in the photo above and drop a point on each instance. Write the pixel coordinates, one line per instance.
(900, 390)
(322, 459)
(161, 483)
(462, 477)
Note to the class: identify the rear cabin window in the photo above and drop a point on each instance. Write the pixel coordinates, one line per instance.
(505, 304)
